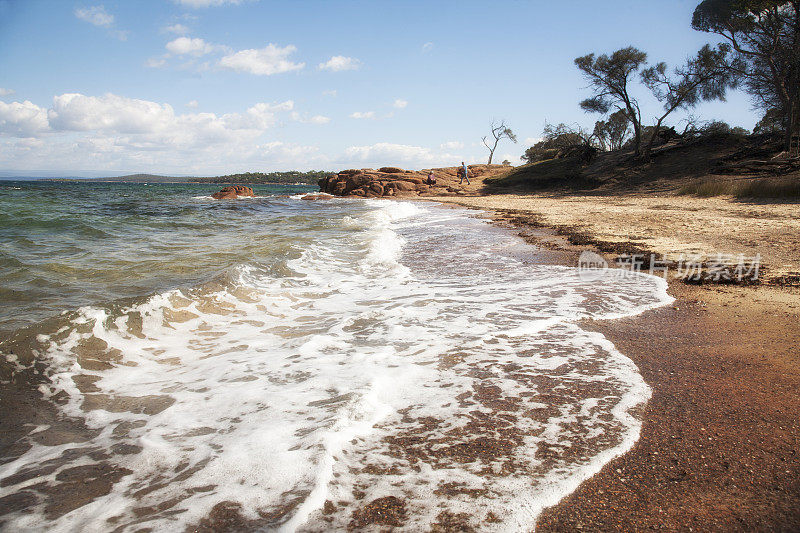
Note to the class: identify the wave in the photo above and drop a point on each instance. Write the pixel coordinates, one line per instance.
(413, 353)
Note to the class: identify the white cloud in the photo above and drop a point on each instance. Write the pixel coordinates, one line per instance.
(319, 119)
(76, 112)
(332, 93)
(427, 46)
(188, 45)
(400, 103)
(263, 61)
(113, 132)
(382, 154)
(177, 29)
(155, 62)
(96, 15)
(120, 115)
(339, 63)
(364, 114)
(316, 119)
(451, 145)
(6, 92)
(193, 104)
(22, 119)
(207, 3)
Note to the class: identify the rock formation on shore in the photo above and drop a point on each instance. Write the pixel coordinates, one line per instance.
(396, 182)
(233, 192)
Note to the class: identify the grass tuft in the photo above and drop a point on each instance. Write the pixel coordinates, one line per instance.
(779, 188)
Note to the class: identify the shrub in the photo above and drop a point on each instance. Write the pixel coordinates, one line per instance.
(778, 188)
(770, 188)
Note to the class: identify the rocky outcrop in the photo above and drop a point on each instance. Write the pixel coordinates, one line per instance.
(233, 192)
(369, 183)
(396, 182)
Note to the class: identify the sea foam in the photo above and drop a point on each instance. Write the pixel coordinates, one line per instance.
(415, 352)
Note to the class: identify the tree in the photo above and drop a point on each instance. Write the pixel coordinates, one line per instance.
(771, 122)
(555, 140)
(611, 134)
(499, 131)
(765, 36)
(609, 78)
(704, 77)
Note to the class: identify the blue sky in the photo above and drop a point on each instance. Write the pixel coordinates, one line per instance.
(205, 87)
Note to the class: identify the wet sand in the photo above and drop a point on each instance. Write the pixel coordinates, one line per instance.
(720, 444)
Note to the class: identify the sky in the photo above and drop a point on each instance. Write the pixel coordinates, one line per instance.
(210, 87)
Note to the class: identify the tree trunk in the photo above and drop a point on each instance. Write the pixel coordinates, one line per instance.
(491, 151)
(792, 126)
(637, 131)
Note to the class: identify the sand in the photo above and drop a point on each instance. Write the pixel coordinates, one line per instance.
(669, 225)
(720, 445)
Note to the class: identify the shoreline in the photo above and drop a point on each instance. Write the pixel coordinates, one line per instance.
(720, 442)
(718, 446)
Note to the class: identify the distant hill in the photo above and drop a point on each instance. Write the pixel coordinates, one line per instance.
(144, 178)
(293, 176)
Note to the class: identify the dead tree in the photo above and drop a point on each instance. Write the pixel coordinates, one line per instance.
(499, 131)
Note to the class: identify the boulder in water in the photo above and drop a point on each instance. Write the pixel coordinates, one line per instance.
(317, 196)
(233, 192)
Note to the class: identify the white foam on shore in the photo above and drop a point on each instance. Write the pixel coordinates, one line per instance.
(276, 392)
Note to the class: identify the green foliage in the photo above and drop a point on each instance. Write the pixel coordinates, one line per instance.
(704, 77)
(714, 129)
(293, 176)
(773, 121)
(611, 134)
(609, 78)
(765, 38)
(554, 140)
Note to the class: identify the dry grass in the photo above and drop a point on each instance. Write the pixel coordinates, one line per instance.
(779, 188)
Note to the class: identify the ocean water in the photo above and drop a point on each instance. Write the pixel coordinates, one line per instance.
(281, 364)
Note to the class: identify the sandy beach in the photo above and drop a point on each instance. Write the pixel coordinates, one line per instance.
(719, 445)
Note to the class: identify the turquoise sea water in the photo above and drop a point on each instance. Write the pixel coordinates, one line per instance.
(281, 362)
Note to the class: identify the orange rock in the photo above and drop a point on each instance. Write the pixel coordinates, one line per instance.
(233, 192)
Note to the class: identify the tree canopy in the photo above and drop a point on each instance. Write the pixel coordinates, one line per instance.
(610, 77)
(706, 76)
(765, 38)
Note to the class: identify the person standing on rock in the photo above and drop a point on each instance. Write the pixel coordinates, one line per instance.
(464, 173)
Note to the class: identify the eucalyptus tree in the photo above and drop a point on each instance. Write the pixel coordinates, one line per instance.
(765, 38)
(610, 78)
(706, 76)
(611, 134)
